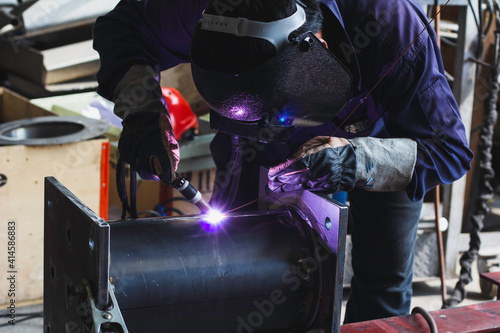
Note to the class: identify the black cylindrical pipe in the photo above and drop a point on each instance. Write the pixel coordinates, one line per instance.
(250, 275)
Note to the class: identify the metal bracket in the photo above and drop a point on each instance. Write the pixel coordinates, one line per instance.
(76, 251)
(328, 218)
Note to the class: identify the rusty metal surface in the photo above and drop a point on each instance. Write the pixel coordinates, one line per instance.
(478, 318)
(493, 277)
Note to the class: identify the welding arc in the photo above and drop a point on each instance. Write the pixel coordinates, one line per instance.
(387, 72)
(251, 202)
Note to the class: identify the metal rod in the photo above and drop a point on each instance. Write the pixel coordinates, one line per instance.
(439, 234)
(442, 267)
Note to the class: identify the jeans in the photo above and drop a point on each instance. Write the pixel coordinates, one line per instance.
(383, 232)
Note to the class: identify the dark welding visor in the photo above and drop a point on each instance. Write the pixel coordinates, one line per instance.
(304, 85)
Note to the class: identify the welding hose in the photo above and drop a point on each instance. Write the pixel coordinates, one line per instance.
(133, 193)
(427, 316)
(121, 187)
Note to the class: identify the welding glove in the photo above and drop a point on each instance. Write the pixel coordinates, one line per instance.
(147, 141)
(334, 164)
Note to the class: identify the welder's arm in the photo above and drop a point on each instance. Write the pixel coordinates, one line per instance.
(147, 141)
(334, 164)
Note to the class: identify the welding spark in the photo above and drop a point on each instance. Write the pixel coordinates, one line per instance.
(212, 220)
(214, 217)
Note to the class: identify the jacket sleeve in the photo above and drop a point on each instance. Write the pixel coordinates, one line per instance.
(421, 106)
(154, 33)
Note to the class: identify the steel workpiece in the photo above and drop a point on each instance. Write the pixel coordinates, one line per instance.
(272, 270)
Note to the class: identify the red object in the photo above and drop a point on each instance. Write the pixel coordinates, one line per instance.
(181, 115)
(104, 200)
(480, 318)
(493, 277)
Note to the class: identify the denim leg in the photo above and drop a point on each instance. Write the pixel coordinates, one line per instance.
(383, 232)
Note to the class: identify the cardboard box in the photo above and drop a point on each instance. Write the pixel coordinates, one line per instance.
(79, 166)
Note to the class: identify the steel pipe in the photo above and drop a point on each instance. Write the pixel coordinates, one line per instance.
(274, 270)
(252, 275)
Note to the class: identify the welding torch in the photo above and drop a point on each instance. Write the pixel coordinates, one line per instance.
(191, 194)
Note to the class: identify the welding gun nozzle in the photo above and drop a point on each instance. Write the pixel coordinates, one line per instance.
(189, 192)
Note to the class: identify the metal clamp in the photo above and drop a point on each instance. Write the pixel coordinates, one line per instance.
(111, 317)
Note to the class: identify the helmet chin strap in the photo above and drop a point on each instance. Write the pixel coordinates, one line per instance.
(275, 32)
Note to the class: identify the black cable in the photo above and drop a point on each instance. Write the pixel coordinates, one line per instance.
(481, 18)
(485, 174)
(491, 17)
(427, 316)
(447, 41)
(121, 187)
(7, 314)
(133, 193)
(474, 13)
(21, 320)
(436, 22)
(480, 40)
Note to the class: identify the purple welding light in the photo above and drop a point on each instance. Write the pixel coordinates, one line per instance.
(212, 221)
(242, 106)
(239, 111)
(215, 217)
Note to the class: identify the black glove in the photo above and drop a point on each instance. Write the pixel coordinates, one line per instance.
(321, 164)
(148, 144)
(335, 164)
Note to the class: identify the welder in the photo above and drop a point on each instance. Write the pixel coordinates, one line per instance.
(379, 122)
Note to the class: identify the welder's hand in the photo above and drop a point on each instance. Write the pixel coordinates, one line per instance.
(335, 164)
(321, 164)
(148, 144)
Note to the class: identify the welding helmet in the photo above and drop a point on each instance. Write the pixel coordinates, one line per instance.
(303, 85)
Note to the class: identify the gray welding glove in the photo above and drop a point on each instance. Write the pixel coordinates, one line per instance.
(334, 164)
(147, 141)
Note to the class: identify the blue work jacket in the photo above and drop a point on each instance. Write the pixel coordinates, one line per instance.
(413, 100)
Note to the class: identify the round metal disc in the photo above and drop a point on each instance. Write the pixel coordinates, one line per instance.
(51, 130)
